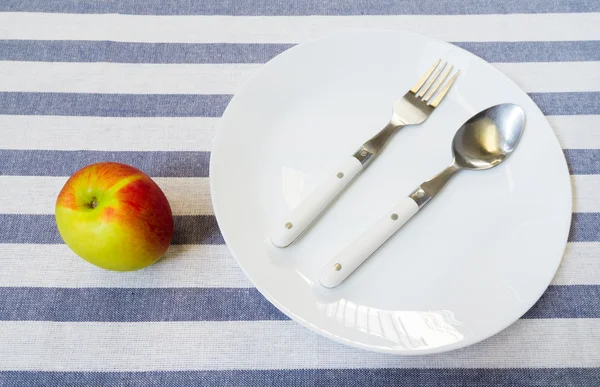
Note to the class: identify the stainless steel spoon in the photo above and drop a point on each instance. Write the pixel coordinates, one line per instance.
(482, 142)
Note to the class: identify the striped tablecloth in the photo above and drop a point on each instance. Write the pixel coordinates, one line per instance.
(144, 82)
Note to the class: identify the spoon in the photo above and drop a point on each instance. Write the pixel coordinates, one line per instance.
(482, 142)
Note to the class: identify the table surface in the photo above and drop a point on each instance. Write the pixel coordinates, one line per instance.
(144, 82)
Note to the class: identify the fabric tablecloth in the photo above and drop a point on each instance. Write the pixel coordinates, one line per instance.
(144, 82)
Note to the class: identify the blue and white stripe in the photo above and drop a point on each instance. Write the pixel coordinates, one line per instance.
(145, 82)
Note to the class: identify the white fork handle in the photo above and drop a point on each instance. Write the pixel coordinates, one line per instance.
(343, 264)
(298, 220)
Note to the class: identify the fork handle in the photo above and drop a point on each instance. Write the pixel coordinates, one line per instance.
(287, 230)
(349, 259)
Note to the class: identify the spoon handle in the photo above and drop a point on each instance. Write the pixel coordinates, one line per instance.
(349, 259)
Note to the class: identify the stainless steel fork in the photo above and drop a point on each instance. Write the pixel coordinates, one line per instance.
(412, 109)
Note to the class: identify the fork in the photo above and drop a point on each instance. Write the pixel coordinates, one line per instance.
(412, 109)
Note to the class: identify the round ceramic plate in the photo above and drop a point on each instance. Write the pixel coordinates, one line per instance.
(467, 266)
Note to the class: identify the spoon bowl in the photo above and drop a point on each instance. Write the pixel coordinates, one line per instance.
(488, 137)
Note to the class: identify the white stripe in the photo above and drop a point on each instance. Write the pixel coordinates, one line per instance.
(577, 132)
(108, 133)
(586, 192)
(227, 78)
(191, 196)
(212, 266)
(292, 29)
(57, 266)
(183, 133)
(37, 194)
(188, 196)
(50, 346)
(553, 76)
(580, 265)
(124, 78)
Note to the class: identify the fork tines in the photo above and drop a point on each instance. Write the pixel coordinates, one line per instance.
(430, 84)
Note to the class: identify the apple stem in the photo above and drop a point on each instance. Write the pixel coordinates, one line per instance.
(94, 203)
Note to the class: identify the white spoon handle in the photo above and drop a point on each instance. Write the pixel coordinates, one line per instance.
(343, 264)
(294, 223)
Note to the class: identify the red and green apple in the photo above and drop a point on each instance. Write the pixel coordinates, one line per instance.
(114, 216)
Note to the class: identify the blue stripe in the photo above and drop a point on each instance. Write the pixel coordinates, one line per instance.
(179, 164)
(65, 163)
(402, 377)
(134, 304)
(567, 104)
(567, 301)
(583, 161)
(126, 52)
(41, 229)
(208, 105)
(215, 304)
(585, 227)
(129, 52)
(302, 8)
(517, 52)
(203, 229)
(113, 105)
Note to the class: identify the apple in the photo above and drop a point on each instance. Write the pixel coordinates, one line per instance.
(114, 216)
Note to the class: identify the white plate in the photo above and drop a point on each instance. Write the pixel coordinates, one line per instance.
(475, 260)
